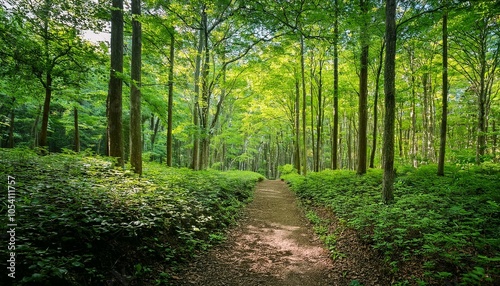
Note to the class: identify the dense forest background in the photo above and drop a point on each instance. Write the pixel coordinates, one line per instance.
(234, 85)
(344, 100)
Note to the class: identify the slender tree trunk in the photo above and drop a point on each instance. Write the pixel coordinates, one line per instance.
(319, 123)
(46, 111)
(34, 131)
(363, 93)
(311, 91)
(335, 131)
(205, 99)
(195, 165)
(390, 102)
(114, 108)
(297, 125)
(135, 91)
(375, 106)
(76, 140)
(444, 116)
(154, 126)
(304, 105)
(170, 99)
(481, 120)
(425, 116)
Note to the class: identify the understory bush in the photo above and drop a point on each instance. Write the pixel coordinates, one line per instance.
(449, 226)
(79, 221)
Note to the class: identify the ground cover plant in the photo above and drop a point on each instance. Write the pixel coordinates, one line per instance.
(82, 222)
(439, 231)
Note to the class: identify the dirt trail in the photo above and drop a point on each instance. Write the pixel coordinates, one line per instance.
(273, 245)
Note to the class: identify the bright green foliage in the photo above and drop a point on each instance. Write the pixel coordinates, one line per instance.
(79, 219)
(448, 225)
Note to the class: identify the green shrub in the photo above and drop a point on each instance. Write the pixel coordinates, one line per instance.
(287, 169)
(449, 224)
(79, 219)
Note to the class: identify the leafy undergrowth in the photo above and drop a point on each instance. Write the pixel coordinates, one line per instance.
(439, 230)
(79, 221)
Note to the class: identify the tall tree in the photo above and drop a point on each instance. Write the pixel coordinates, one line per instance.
(114, 101)
(335, 129)
(170, 98)
(54, 54)
(135, 90)
(304, 105)
(390, 102)
(363, 89)
(444, 116)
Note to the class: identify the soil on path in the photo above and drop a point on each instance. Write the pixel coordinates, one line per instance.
(273, 245)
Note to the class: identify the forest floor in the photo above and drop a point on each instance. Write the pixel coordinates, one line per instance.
(274, 244)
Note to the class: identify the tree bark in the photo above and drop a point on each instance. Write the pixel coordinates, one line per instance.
(363, 92)
(319, 123)
(375, 106)
(195, 165)
(304, 106)
(135, 91)
(444, 116)
(297, 125)
(335, 131)
(46, 111)
(170, 99)
(114, 108)
(390, 102)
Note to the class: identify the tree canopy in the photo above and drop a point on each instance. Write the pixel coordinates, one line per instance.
(255, 85)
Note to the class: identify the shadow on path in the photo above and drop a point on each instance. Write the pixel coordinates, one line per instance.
(273, 245)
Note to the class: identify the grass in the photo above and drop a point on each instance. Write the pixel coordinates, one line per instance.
(449, 226)
(82, 222)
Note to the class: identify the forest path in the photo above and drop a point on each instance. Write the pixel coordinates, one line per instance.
(272, 245)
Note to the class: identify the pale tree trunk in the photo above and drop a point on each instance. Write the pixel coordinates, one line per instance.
(297, 126)
(46, 111)
(444, 116)
(390, 102)
(304, 106)
(195, 165)
(170, 99)
(135, 91)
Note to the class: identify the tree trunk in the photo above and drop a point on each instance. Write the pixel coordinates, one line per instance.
(375, 106)
(195, 165)
(335, 131)
(444, 116)
(297, 125)
(390, 102)
(46, 111)
(154, 126)
(34, 131)
(304, 106)
(319, 123)
(114, 107)
(135, 91)
(170, 99)
(363, 92)
(76, 140)
(205, 99)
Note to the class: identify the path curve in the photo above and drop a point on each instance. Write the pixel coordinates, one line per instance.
(273, 245)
